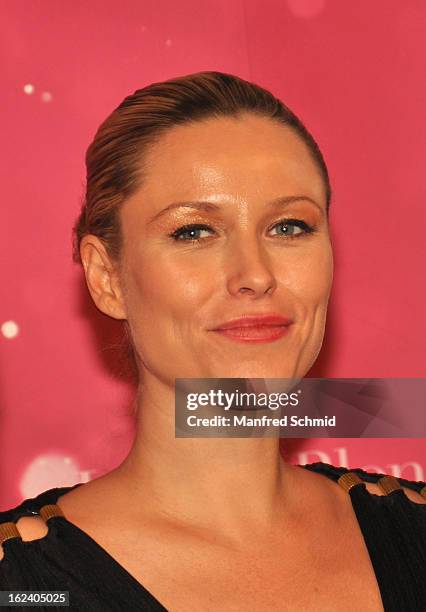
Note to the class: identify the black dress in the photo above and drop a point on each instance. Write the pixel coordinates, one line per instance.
(67, 559)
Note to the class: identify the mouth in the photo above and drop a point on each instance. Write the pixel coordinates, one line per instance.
(255, 329)
(261, 333)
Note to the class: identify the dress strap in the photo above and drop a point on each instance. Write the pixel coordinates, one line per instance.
(43, 505)
(33, 505)
(349, 477)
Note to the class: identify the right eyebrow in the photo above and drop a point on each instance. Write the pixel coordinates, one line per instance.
(199, 205)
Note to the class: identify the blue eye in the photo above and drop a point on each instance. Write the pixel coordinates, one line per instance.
(291, 226)
(189, 230)
(294, 229)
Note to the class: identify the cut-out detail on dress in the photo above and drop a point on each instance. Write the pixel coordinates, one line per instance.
(385, 484)
(29, 528)
(412, 496)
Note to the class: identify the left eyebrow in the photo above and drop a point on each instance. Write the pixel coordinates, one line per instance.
(280, 202)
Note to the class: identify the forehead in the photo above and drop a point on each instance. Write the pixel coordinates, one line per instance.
(248, 157)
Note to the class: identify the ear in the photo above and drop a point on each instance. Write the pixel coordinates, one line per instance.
(102, 277)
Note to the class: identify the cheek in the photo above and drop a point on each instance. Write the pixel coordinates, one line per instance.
(309, 279)
(310, 285)
(163, 289)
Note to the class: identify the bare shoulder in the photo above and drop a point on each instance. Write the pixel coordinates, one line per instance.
(101, 496)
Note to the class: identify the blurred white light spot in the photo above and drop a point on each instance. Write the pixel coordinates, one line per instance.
(306, 8)
(143, 28)
(10, 329)
(28, 89)
(48, 471)
(46, 96)
(168, 43)
(85, 475)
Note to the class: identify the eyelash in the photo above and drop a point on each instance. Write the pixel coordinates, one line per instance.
(307, 229)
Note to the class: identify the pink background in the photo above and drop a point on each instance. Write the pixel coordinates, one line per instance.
(353, 71)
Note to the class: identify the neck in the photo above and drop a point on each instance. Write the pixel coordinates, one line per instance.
(230, 484)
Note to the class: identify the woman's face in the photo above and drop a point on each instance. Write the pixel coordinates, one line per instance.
(253, 255)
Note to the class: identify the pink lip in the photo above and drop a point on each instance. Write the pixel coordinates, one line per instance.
(266, 328)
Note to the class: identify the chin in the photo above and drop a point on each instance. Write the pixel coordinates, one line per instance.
(257, 370)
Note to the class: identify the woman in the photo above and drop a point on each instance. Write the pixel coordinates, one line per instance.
(207, 201)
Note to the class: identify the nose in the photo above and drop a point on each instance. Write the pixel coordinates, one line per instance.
(249, 271)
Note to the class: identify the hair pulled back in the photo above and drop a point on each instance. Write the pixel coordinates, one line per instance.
(115, 158)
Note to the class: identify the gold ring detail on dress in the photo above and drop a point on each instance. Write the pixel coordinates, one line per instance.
(349, 480)
(50, 510)
(388, 484)
(8, 531)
